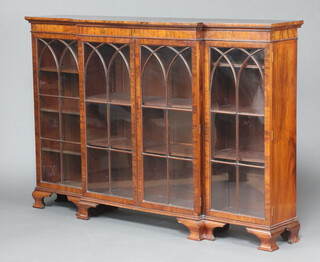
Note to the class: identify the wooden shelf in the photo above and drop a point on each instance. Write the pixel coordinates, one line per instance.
(69, 152)
(115, 99)
(51, 110)
(244, 110)
(121, 144)
(176, 149)
(238, 65)
(69, 70)
(253, 156)
(161, 103)
(120, 99)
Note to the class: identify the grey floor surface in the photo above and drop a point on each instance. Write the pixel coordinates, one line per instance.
(54, 234)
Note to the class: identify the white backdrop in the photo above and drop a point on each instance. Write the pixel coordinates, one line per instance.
(17, 152)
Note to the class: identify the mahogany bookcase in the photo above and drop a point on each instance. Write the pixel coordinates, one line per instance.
(190, 118)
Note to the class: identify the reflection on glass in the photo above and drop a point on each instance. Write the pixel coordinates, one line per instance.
(223, 187)
(154, 131)
(69, 85)
(48, 83)
(98, 171)
(180, 125)
(180, 80)
(97, 132)
(49, 104)
(49, 125)
(71, 165)
(107, 72)
(119, 77)
(95, 78)
(120, 125)
(70, 127)
(166, 67)
(155, 179)
(152, 79)
(251, 97)
(251, 139)
(50, 156)
(223, 88)
(121, 174)
(181, 183)
(223, 137)
(251, 191)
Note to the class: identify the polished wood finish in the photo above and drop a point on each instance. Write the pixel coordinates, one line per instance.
(197, 228)
(38, 198)
(268, 238)
(185, 114)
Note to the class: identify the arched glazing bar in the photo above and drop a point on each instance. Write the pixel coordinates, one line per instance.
(48, 46)
(68, 48)
(153, 53)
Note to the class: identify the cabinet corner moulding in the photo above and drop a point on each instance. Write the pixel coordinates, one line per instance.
(178, 117)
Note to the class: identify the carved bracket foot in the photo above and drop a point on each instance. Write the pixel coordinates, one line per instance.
(267, 237)
(83, 207)
(196, 228)
(291, 233)
(38, 198)
(88, 209)
(211, 225)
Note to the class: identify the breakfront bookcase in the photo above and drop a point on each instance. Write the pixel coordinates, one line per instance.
(190, 118)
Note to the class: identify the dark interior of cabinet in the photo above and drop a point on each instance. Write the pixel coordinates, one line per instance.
(107, 72)
(59, 111)
(110, 172)
(168, 181)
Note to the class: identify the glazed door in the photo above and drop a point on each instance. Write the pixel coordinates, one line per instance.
(235, 120)
(109, 121)
(58, 110)
(168, 125)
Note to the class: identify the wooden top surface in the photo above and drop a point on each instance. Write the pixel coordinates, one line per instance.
(164, 21)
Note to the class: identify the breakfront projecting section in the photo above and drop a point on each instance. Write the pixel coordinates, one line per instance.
(237, 131)
(190, 118)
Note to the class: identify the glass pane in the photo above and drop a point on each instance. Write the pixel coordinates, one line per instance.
(181, 183)
(120, 125)
(155, 179)
(251, 97)
(223, 87)
(119, 77)
(69, 85)
(251, 191)
(152, 77)
(223, 136)
(71, 165)
(97, 132)
(223, 187)
(49, 104)
(121, 174)
(251, 139)
(70, 120)
(154, 131)
(180, 124)
(180, 79)
(98, 171)
(69, 57)
(49, 125)
(95, 75)
(48, 83)
(70, 106)
(50, 155)
(48, 60)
